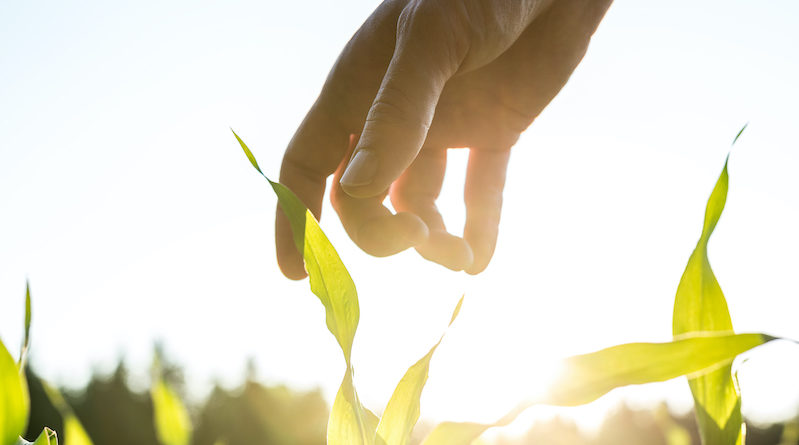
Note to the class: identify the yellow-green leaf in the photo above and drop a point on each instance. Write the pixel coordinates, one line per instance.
(700, 306)
(328, 277)
(47, 437)
(331, 282)
(14, 402)
(172, 423)
(589, 376)
(349, 422)
(403, 410)
(294, 210)
(23, 354)
(248, 153)
(74, 433)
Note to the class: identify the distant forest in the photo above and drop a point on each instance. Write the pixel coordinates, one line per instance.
(255, 414)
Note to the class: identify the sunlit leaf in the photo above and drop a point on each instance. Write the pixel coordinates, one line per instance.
(295, 212)
(589, 376)
(23, 354)
(14, 402)
(248, 153)
(700, 306)
(47, 437)
(172, 423)
(331, 282)
(350, 423)
(402, 411)
(328, 277)
(74, 433)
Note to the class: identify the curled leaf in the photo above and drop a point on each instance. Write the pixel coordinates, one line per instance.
(47, 437)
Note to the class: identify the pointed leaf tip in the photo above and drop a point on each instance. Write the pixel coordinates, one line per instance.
(27, 311)
(457, 310)
(247, 152)
(739, 133)
(23, 354)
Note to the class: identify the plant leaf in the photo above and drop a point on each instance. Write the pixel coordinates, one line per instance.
(294, 210)
(172, 423)
(74, 433)
(14, 401)
(700, 306)
(47, 437)
(589, 376)
(349, 423)
(248, 153)
(402, 411)
(330, 281)
(740, 133)
(23, 354)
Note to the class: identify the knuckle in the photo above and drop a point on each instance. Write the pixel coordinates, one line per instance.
(396, 106)
(436, 29)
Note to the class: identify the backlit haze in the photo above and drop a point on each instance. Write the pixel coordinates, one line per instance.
(126, 201)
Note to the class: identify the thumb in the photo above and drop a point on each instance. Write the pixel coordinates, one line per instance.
(400, 116)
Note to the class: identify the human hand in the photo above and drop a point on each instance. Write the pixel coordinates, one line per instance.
(419, 77)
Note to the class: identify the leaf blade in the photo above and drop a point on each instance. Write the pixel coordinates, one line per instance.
(14, 399)
(349, 423)
(74, 432)
(247, 152)
(700, 305)
(589, 376)
(402, 411)
(23, 354)
(172, 422)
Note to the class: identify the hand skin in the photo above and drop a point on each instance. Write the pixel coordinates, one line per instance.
(419, 77)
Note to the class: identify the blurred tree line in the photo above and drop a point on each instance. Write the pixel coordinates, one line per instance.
(253, 413)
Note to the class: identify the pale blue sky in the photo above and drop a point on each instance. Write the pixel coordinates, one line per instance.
(125, 199)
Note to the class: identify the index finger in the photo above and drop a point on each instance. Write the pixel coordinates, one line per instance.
(312, 156)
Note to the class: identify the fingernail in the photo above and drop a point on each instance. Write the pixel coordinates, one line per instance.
(361, 169)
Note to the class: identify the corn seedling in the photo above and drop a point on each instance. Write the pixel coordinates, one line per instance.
(703, 348)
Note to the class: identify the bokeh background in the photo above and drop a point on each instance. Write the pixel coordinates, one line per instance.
(126, 201)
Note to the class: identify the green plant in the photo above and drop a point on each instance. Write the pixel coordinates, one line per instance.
(74, 433)
(14, 398)
(703, 348)
(172, 423)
